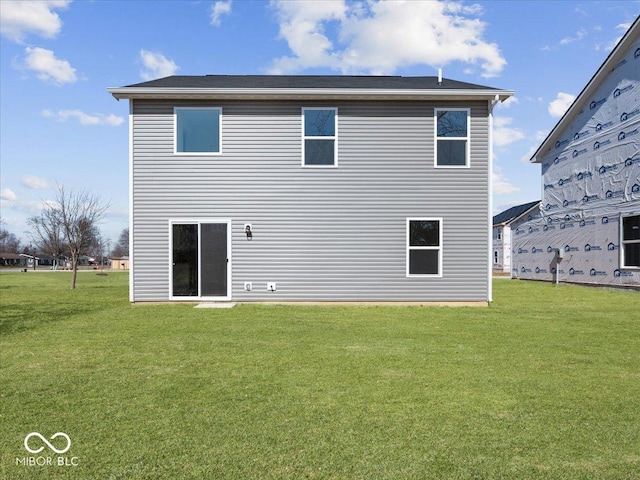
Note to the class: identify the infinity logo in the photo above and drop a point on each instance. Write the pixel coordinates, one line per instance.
(36, 434)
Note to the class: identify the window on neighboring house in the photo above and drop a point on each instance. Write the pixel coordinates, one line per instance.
(319, 142)
(499, 234)
(452, 137)
(495, 257)
(197, 130)
(424, 247)
(630, 245)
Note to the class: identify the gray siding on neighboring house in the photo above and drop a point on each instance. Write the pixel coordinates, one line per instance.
(322, 234)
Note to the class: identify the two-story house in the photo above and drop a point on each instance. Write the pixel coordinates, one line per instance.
(310, 188)
(590, 209)
(502, 233)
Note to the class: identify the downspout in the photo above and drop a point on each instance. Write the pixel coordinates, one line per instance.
(492, 105)
(131, 229)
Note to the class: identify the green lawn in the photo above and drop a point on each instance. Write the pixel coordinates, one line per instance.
(544, 384)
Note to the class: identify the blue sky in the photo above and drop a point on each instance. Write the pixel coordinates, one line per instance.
(58, 124)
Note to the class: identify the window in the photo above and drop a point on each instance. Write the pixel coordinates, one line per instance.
(424, 247)
(197, 130)
(630, 242)
(319, 143)
(495, 257)
(452, 137)
(499, 234)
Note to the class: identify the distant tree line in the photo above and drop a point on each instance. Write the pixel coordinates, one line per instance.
(9, 243)
(121, 249)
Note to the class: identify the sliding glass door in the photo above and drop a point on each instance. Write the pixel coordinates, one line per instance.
(200, 259)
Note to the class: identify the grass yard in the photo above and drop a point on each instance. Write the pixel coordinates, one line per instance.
(544, 384)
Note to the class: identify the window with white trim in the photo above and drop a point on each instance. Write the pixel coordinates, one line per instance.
(452, 137)
(197, 130)
(630, 244)
(424, 247)
(319, 137)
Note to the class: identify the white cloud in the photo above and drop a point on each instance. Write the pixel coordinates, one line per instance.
(608, 46)
(218, 9)
(302, 26)
(504, 135)
(501, 184)
(8, 194)
(48, 67)
(29, 207)
(156, 65)
(84, 118)
(112, 120)
(579, 10)
(20, 18)
(559, 106)
(580, 34)
(539, 137)
(379, 37)
(501, 121)
(623, 26)
(34, 182)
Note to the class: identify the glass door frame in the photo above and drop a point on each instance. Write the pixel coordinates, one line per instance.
(199, 222)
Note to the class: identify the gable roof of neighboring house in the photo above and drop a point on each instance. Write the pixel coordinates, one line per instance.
(10, 256)
(308, 87)
(514, 213)
(609, 64)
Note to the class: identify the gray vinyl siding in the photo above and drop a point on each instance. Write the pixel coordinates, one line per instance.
(322, 234)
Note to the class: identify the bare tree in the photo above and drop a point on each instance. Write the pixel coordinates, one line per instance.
(80, 211)
(47, 232)
(122, 247)
(9, 243)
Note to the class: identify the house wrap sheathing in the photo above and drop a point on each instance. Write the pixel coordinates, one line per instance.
(590, 207)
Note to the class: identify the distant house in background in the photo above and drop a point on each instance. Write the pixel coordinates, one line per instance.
(119, 263)
(12, 259)
(45, 259)
(590, 208)
(502, 233)
(310, 188)
(30, 259)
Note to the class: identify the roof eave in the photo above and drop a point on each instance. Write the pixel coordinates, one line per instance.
(513, 218)
(305, 93)
(527, 211)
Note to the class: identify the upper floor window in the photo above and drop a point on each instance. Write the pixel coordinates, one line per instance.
(197, 130)
(320, 140)
(630, 241)
(452, 137)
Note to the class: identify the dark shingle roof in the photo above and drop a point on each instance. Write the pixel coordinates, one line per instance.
(513, 212)
(308, 81)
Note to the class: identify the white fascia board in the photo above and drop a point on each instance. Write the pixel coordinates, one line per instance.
(305, 93)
